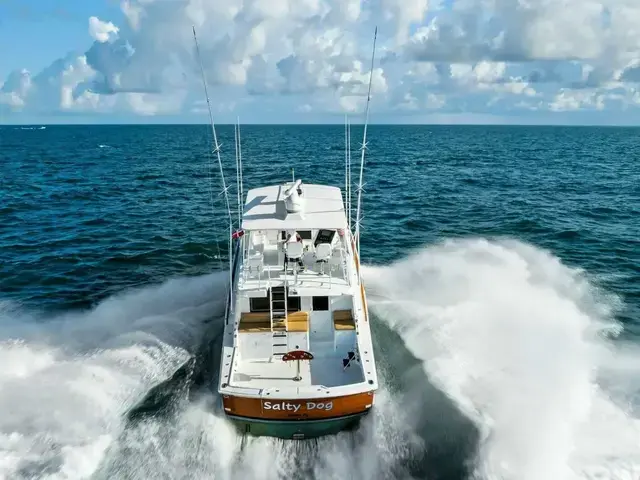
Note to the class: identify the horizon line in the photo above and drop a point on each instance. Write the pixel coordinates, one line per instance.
(299, 124)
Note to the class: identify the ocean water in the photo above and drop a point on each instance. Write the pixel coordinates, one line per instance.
(503, 271)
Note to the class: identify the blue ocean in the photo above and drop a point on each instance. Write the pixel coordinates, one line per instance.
(502, 265)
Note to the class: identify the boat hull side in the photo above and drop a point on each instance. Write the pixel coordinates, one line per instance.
(294, 429)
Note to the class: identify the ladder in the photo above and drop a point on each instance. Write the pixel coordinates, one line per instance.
(278, 310)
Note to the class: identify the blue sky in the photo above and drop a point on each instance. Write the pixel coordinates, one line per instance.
(282, 61)
(25, 23)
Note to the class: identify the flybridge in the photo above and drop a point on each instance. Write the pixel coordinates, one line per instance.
(278, 207)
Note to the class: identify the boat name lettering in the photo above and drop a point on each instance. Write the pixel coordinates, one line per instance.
(294, 407)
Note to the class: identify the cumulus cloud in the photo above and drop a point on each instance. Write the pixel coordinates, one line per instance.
(15, 89)
(102, 31)
(473, 56)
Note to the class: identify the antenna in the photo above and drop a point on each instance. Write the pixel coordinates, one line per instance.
(236, 135)
(346, 169)
(225, 189)
(241, 178)
(363, 149)
(349, 171)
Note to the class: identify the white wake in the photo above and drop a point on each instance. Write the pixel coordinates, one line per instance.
(518, 341)
(511, 335)
(66, 382)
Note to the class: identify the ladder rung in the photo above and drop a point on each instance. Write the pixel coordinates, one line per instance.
(279, 344)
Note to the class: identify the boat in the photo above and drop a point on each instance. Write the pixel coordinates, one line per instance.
(297, 357)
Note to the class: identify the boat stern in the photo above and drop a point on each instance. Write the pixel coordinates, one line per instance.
(295, 429)
(297, 419)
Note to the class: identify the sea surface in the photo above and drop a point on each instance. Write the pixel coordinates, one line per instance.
(502, 266)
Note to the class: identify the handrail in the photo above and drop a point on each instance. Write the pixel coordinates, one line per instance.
(233, 359)
(286, 294)
(343, 264)
(270, 299)
(362, 294)
(229, 306)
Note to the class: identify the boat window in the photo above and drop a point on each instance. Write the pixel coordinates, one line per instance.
(293, 304)
(259, 304)
(305, 234)
(320, 304)
(324, 236)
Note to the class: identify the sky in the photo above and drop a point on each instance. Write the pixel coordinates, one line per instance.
(308, 61)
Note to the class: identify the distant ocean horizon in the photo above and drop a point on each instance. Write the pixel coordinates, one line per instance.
(355, 119)
(502, 266)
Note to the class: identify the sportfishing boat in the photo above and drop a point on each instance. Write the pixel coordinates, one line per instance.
(297, 357)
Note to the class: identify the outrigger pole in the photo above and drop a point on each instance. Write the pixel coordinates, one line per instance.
(225, 189)
(347, 170)
(239, 185)
(363, 149)
(241, 205)
(350, 182)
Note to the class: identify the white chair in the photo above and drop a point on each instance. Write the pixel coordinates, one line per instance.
(255, 263)
(323, 254)
(294, 251)
(308, 259)
(258, 240)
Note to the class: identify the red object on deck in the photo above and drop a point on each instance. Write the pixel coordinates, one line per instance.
(237, 234)
(297, 355)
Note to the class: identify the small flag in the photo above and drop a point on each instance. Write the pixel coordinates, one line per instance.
(237, 234)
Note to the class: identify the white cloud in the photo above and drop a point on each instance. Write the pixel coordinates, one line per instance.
(403, 14)
(153, 104)
(568, 100)
(102, 31)
(471, 56)
(15, 89)
(72, 76)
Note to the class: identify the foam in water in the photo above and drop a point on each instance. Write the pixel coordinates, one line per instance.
(517, 340)
(73, 378)
(67, 381)
(198, 444)
(513, 337)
